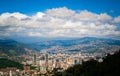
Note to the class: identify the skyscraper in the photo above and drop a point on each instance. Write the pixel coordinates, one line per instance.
(46, 62)
(10, 73)
(34, 59)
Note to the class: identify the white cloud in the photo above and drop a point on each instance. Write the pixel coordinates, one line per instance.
(60, 12)
(38, 15)
(117, 19)
(59, 22)
(104, 17)
(86, 15)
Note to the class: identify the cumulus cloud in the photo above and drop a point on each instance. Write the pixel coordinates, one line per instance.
(117, 19)
(60, 12)
(59, 22)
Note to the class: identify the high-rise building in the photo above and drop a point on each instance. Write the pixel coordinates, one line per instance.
(10, 73)
(44, 63)
(57, 65)
(34, 59)
(46, 59)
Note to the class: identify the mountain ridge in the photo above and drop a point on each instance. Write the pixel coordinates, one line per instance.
(83, 45)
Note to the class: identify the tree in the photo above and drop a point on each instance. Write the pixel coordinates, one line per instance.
(12, 52)
(3, 55)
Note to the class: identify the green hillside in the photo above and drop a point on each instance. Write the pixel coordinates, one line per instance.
(109, 67)
(11, 48)
(4, 63)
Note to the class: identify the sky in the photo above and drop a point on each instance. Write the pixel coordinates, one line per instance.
(60, 18)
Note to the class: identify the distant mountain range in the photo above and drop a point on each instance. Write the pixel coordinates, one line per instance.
(83, 45)
(89, 45)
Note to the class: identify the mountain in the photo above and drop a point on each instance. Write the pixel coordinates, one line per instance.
(10, 47)
(90, 45)
(83, 45)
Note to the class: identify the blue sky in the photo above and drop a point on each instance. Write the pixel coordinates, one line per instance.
(60, 18)
(33, 6)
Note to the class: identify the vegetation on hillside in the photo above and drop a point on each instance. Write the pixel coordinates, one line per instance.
(109, 67)
(11, 48)
(4, 63)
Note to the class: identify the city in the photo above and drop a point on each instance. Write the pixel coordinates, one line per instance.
(59, 38)
(46, 64)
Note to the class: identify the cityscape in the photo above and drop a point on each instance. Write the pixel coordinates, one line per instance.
(46, 63)
(59, 38)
